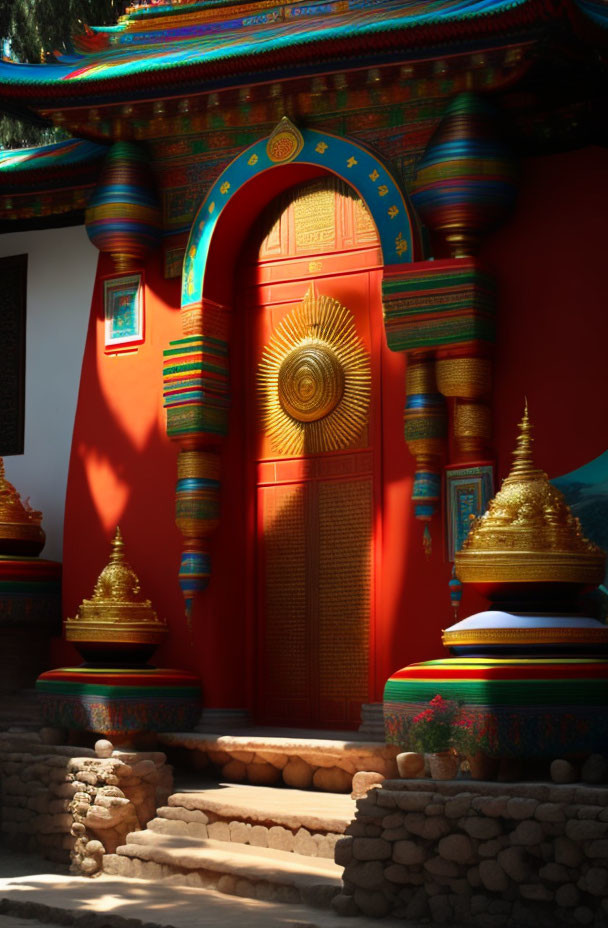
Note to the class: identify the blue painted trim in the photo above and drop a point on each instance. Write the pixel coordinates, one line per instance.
(351, 161)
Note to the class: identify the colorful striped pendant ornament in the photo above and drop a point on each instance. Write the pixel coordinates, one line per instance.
(123, 217)
(425, 429)
(197, 511)
(466, 180)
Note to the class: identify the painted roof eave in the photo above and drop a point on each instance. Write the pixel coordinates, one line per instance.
(45, 87)
(59, 158)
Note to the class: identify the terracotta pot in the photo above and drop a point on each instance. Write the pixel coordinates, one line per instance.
(482, 767)
(444, 765)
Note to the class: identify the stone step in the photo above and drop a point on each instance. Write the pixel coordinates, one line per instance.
(301, 842)
(297, 821)
(236, 869)
(318, 812)
(265, 759)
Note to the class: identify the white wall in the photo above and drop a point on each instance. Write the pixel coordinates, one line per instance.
(60, 276)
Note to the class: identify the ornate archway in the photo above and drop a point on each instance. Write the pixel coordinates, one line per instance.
(356, 165)
(196, 375)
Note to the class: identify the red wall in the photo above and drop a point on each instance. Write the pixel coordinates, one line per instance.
(122, 466)
(549, 259)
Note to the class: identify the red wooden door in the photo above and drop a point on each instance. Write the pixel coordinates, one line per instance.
(317, 512)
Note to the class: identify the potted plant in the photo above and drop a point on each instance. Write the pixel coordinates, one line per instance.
(470, 737)
(431, 734)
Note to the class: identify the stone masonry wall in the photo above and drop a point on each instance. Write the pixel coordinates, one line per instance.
(487, 854)
(71, 805)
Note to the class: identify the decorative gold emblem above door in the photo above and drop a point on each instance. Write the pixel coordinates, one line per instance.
(315, 379)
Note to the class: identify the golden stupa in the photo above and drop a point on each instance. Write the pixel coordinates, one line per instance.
(117, 619)
(20, 529)
(528, 533)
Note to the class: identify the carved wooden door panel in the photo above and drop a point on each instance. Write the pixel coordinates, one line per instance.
(314, 307)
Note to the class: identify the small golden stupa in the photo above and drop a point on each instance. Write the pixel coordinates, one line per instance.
(528, 533)
(117, 620)
(21, 532)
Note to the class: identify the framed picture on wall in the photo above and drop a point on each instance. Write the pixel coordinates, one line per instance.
(468, 492)
(123, 302)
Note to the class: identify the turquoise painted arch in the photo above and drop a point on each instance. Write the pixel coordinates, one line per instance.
(355, 164)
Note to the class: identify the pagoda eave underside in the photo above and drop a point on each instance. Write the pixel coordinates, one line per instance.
(48, 186)
(146, 112)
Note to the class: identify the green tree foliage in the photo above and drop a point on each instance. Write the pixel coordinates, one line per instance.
(32, 30)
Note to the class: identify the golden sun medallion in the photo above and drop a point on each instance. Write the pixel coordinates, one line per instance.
(315, 380)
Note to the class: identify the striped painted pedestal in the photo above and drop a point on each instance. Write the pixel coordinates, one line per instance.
(544, 707)
(120, 701)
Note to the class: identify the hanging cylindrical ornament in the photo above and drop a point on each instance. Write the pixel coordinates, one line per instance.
(455, 593)
(466, 179)
(425, 427)
(194, 570)
(197, 401)
(464, 377)
(123, 217)
(468, 380)
(472, 430)
(197, 511)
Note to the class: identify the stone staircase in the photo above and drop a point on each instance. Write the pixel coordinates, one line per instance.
(267, 843)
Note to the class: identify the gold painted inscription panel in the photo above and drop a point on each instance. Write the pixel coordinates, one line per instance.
(345, 587)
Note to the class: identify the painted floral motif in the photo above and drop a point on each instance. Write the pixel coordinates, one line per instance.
(120, 715)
